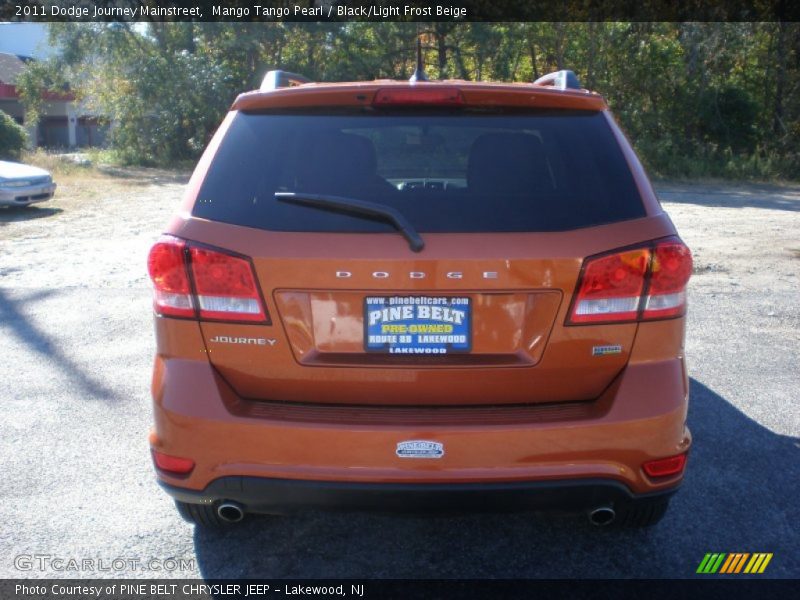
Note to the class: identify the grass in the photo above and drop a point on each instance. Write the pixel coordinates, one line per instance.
(59, 165)
(99, 164)
(97, 176)
(665, 161)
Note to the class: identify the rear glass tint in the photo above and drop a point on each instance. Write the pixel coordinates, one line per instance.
(446, 173)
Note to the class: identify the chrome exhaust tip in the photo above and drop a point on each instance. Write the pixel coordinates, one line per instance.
(604, 515)
(230, 512)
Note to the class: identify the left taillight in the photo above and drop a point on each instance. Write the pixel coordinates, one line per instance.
(634, 284)
(172, 292)
(226, 286)
(222, 285)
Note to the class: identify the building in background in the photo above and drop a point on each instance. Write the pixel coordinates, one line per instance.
(63, 122)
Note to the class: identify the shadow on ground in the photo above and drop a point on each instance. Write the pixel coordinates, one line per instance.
(14, 321)
(13, 214)
(740, 495)
(753, 196)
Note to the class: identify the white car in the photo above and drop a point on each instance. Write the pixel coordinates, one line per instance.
(21, 185)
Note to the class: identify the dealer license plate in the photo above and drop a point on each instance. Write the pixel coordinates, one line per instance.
(417, 324)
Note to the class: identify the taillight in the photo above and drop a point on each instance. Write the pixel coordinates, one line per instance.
(225, 286)
(670, 270)
(417, 96)
(167, 267)
(222, 285)
(665, 467)
(611, 287)
(648, 282)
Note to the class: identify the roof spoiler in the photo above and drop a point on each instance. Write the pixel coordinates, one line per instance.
(274, 80)
(561, 80)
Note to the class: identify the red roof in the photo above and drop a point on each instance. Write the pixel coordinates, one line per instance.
(11, 66)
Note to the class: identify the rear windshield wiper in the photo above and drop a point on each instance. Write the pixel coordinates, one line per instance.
(359, 208)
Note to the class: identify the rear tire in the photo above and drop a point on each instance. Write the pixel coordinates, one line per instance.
(203, 515)
(642, 513)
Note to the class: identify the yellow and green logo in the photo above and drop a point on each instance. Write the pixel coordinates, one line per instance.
(734, 562)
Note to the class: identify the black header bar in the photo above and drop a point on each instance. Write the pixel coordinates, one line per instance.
(399, 10)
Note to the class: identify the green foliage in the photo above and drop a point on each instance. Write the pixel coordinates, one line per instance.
(727, 118)
(716, 99)
(34, 81)
(12, 138)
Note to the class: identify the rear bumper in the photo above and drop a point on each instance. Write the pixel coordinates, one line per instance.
(640, 417)
(279, 496)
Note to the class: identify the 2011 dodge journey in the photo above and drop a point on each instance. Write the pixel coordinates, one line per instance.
(420, 295)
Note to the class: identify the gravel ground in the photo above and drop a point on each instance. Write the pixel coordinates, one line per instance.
(76, 344)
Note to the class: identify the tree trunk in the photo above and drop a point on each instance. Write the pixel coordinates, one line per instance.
(441, 47)
(592, 48)
(532, 51)
(462, 68)
(780, 79)
(560, 39)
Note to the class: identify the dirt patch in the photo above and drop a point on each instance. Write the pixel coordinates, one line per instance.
(742, 236)
(95, 231)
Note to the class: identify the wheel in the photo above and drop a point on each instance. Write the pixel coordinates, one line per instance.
(204, 515)
(642, 513)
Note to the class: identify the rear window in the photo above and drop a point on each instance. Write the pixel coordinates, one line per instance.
(445, 173)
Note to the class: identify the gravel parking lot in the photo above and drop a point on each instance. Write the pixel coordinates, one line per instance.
(76, 347)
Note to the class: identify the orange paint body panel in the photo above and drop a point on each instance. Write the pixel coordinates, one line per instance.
(304, 395)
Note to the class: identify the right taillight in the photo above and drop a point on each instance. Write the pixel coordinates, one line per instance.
(670, 269)
(222, 286)
(665, 467)
(634, 284)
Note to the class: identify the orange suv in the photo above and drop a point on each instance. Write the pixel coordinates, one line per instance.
(420, 296)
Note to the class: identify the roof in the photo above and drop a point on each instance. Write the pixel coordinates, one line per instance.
(11, 66)
(482, 94)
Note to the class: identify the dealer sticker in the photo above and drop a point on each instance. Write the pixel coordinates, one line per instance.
(419, 449)
(417, 324)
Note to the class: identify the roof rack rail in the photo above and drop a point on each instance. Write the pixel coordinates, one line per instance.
(561, 80)
(274, 80)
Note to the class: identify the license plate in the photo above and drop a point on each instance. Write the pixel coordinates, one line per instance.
(417, 324)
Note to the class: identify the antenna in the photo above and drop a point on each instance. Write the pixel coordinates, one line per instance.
(419, 72)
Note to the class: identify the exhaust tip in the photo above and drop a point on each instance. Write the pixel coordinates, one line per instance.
(230, 512)
(602, 516)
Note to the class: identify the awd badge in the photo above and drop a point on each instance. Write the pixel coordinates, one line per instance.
(606, 350)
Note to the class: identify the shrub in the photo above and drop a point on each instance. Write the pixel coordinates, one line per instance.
(728, 119)
(12, 138)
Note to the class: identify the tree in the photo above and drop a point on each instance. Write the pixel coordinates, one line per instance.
(693, 96)
(12, 138)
